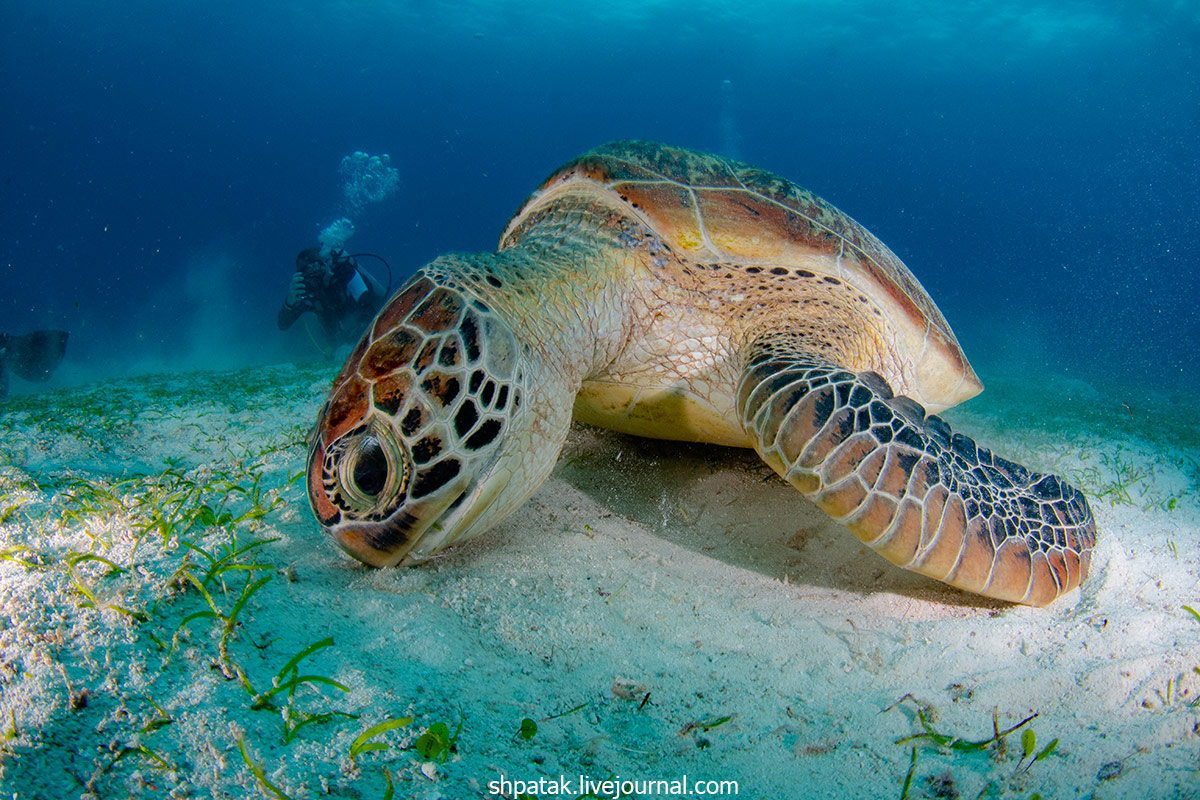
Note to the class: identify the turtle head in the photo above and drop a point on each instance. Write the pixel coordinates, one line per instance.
(422, 432)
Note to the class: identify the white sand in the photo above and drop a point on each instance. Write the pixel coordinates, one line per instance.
(686, 573)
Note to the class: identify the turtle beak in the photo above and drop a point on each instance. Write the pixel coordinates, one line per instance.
(408, 536)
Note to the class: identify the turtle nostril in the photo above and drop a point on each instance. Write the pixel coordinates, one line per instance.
(370, 467)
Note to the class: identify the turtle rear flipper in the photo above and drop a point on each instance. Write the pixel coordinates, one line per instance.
(35, 356)
(925, 498)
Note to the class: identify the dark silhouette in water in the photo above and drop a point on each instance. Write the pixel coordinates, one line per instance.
(332, 285)
(33, 356)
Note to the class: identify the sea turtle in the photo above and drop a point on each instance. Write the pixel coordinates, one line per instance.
(668, 293)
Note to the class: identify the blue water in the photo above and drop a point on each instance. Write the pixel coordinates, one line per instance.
(1037, 164)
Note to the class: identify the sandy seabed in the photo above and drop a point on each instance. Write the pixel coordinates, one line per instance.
(174, 624)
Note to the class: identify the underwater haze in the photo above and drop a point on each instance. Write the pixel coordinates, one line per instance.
(1037, 164)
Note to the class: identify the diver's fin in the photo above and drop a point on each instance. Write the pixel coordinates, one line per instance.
(35, 355)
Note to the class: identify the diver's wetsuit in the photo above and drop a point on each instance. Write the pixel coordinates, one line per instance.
(344, 296)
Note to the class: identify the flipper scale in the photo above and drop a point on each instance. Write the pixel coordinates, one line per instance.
(924, 497)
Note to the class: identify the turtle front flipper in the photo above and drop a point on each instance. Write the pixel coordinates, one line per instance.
(925, 498)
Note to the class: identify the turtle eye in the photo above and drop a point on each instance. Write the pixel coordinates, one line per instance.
(370, 469)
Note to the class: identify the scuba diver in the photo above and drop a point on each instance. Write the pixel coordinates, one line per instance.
(32, 356)
(332, 285)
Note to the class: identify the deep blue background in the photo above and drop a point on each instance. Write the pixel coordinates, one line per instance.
(1036, 164)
